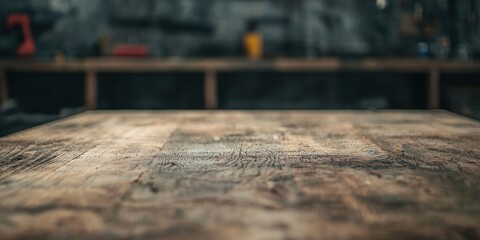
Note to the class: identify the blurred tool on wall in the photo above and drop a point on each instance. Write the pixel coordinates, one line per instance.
(253, 41)
(27, 47)
(149, 32)
(19, 29)
(441, 29)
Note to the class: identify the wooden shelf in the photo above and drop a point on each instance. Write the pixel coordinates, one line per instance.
(210, 66)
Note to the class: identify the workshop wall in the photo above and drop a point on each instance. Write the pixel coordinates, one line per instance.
(205, 28)
(214, 27)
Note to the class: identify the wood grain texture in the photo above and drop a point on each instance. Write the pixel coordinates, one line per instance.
(243, 175)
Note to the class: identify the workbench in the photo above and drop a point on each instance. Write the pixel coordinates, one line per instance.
(243, 175)
(210, 68)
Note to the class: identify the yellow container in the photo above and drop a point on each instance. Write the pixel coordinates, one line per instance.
(253, 45)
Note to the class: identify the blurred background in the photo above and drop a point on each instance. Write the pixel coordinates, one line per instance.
(62, 31)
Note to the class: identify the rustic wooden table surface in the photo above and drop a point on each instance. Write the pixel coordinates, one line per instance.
(243, 175)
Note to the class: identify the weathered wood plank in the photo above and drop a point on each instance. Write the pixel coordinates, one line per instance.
(243, 175)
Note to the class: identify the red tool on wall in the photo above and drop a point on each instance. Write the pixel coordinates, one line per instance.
(27, 47)
(131, 50)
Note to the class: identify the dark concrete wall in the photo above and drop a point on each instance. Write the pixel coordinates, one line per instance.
(215, 27)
